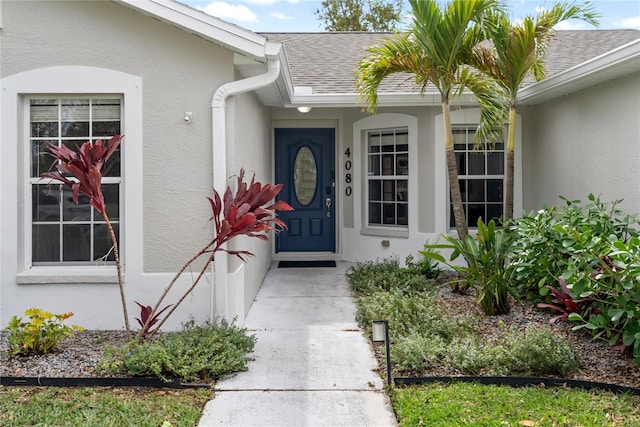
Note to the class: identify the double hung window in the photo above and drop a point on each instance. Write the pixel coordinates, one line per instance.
(388, 177)
(63, 233)
(481, 177)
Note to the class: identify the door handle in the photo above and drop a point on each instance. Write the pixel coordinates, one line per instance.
(328, 204)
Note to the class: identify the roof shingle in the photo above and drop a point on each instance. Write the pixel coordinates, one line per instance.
(326, 61)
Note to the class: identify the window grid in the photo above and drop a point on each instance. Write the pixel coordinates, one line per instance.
(62, 232)
(387, 177)
(480, 176)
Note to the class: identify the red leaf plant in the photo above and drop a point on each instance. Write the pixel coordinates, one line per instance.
(81, 171)
(146, 321)
(242, 214)
(564, 302)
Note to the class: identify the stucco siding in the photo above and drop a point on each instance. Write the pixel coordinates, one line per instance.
(249, 135)
(179, 72)
(587, 142)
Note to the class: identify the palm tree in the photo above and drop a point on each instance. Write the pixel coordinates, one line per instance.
(518, 49)
(435, 50)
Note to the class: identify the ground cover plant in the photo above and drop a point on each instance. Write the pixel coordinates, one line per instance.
(436, 331)
(425, 336)
(98, 407)
(459, 404)
(200, 353)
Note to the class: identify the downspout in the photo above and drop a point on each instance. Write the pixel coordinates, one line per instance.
(219, 291)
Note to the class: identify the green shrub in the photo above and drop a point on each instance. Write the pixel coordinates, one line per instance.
(469, 356)
(362, 271)
(418, 352)
(536, 352)
(613, 288)
(41, 334)
(423, 266)
(386, 275)
(550, 241)
(594, 249)
(487, 264)
(408, 315)
(204, 352)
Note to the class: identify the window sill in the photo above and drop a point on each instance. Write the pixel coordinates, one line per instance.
(385, 232)
(64, 275)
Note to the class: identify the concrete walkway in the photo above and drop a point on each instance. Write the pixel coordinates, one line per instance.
(312, 366)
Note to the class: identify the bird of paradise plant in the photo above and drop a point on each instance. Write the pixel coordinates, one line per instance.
(81, 171)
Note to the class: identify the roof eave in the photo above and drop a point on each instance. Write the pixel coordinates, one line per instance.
(199, 23)
(410, 99)
(285, 80)
(616, 63)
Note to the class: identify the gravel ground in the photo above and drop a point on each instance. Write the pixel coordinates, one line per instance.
(78, 355)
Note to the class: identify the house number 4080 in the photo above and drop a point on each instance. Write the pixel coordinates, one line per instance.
(347, 175)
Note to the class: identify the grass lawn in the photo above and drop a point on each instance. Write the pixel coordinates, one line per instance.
(54, 406)
(461, 404)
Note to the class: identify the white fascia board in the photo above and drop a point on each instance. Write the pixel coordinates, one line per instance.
(208, 27)
(410, 99)
(285, 81)
(615, 63)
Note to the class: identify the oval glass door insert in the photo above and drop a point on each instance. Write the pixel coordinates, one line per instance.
(305, 175)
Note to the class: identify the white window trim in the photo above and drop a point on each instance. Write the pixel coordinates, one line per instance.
(469, 117)
(30, 180)
(360, 128)
(61, 81)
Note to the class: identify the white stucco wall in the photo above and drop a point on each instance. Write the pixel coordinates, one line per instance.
(251, 150)
(178, 73)
(586, 142)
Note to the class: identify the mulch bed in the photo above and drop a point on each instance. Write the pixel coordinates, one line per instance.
(598, 363)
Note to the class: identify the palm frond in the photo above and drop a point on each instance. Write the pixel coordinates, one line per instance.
(395, 55)
(492, 99)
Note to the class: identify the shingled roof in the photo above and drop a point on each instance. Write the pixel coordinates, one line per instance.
(326, 61)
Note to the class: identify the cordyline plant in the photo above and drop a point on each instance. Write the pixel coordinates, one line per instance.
(82, 172)
(146, 321)
(242, 214)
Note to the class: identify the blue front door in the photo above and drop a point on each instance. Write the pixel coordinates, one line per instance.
(304, 161)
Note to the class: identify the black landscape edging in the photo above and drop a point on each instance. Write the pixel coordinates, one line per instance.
(520, 382)
(98, 382)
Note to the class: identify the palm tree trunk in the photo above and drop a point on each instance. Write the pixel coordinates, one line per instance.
(511, 142)
(452, 169)
(116, 255)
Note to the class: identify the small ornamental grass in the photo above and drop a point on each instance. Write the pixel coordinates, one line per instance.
(196, 353)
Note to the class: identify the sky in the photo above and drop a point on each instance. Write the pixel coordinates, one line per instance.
(299, 16)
